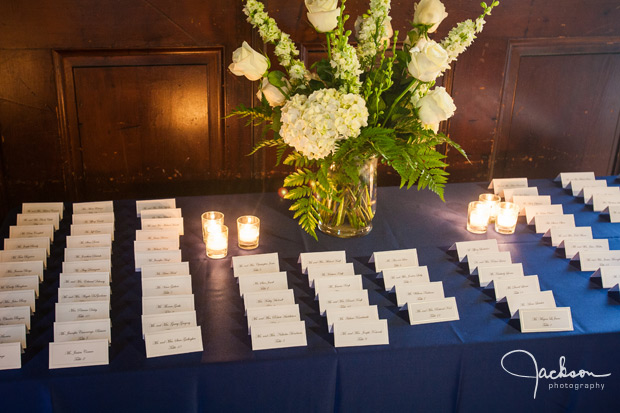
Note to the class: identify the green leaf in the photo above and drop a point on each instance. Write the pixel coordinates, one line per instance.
(276, 78)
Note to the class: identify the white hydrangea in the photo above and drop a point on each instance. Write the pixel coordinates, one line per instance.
(314, 124)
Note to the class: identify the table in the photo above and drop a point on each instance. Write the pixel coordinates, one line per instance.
(450, 366)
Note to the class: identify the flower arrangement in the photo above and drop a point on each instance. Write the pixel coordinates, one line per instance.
(374, 100)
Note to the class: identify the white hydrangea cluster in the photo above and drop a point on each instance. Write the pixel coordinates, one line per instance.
(372, 29)
(347, 66)
(314, 124)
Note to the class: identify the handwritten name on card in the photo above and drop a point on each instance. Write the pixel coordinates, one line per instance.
(342, 299)
(39, 219)
(97, 207)
(167, 304)
(262, 282)
(530, 200)
(156, 257)
(19, 283)
(534, 210)
(488, 273)
(407, 275)
(412, 293)
(152, 204)
(78, 311)
(165, 270)
(367, 313)
(89, 241)
(157, 245)
(14, 269)
(97, 218)
(157, 235)
(78, 354)
(262, 299)
(330, 270)
(589, 192)
(15, 315)
(488, 258)
(27, 243)
(546, 319)
(84, 279)
(87, 266)
(325, 257)
(572, 247)
(177, 341)
(32, 254)
(426, 312)
(88, 254)
(472, 247)
(540, 299)
(43, 208)
(174, 285)
(500, 184)
(281, 335)
(32, 231)
(337, 283)
(15, 333)
(567, 177)
(510, 287)
(610, 276)
(72, 295)
(150, 224)
(10, 356)
(593, 260)
(82, 330)
(255, 264)
(161, 213)
(578, 186)
(602, 201)
(558, 234)
(272, 315)
(18, 299)
(614, 213)
(360, 333)
(170, 321)
(543, 223)
(92, 229)
(509, 193)
(395, 259)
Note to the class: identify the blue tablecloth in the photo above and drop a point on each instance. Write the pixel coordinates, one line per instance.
(449, 366)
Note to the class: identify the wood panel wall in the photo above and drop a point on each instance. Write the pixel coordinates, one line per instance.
(127, 98)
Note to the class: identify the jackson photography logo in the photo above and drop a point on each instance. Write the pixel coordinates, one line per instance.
(533, 372)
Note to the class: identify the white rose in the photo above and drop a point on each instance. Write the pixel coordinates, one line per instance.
(273, 95)
(429, 12)
(435, 107)
(428, 61)
(323, 14)
(248, 62)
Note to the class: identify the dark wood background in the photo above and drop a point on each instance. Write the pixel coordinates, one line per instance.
(126, 98)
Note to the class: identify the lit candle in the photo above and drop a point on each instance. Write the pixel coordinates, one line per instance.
(217, 241)
(507, 215)
(478, 217)
(209, 219)
(248, 231)
(493, 201)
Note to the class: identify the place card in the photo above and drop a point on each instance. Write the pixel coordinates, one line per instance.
(92, 229)
(82, 330)
(279, 335)
(88, 254)
(325, 257)
(602, 201)
(414, 293)
(342, 299)
(510, 193)
(157, 257)
(96, 207)
(405, 276)
(10, 356)
(87, 266)
(84, 279)
(165, 270)
(572, 247)
(74, 294)
(94, 218)
(466, 247)
(32, 254)
(578, 186)
(272, 315)
(170, 342)
(499, 185)
(515, 286)
(89, 241)
(539, 299)
(488, 258)
(530, 200)
(589, 192)
(78, 311)
(167, 304)
(14, 269)
(18, 299)
(558, 234)
(337, 283)
(542, 223)
(161, 322)
(159, 245)
(546, 319)
(150, 224)
(360, 333)
(161, 213)
(249, 283)
(20, 283)
(437, 311)
(593, 260)
(255, 264)
(567, 177)
(27, 243)
(488, 273)
(156, 235)
(151, 204)
(261, 299)
(175, 285)
(534, 210)
(32, 231)
(15, 315)
(39, 219)
(609, 276)
(43, 208)
(614, 213)
(78, 354)
(394, 259)
(365, 313)
(328, 270)
(15, 333)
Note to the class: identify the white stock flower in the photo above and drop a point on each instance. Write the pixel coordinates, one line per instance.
(430, 12)
(248, 62)
(428, 60)
(273, 95)
(323, 14)
(435, 107)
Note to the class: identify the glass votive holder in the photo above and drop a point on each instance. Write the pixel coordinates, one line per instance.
(248, 231)
(507, 215)
(493, 201)
(478, 217)
(210, 218)
(216, 241)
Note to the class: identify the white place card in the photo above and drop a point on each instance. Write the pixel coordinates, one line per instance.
(279, 335)
(394, 259)
(567, 177)
(19, 283)
(614, 213)
(325, 257)
(10, 356)
(342, 299)
(175, 285)
(75, 294)
(534, 210)
(272, 315)
(589, 192)
(602, 201)
(43, 208)
(337, 283)
(32, 231)
(414, 293)
(405, 276)
(97, 207)
(158, 245)
(14, 269)
(151, 204)
(15, 333)
(328, 270)
(542, 223)
(161, 322)
(609, 276)
(572, 247)
(578, 186)
(530, 200)
(249, 283)
(255, 264)
(593, 260)
(165, 270)
(510, 193)
(78, 311)
(546, 319)
(167, 304)
(365, 313)
(515, 286)
(92, 229)
(161, 213)
(27, 243)
(261, 299)
(95, 218)
(88, 254)
(156, 257)
(18, 299)
(82, 330)
(466, 247)
(15, 315)
(156, 235)
(89, 241)
(499, 185)
(558, 234)
(539, 299)
(150, 224)
(437, 311)
(488, 273)
(177, 341)
(488, 258)
(78, 354)
(87, 266)
(39, 219)
(84, 279)
(32, 254)
(360, 333)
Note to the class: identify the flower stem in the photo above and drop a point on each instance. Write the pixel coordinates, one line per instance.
(414, 84)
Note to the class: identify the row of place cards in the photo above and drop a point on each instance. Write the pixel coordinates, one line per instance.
(169, 324)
